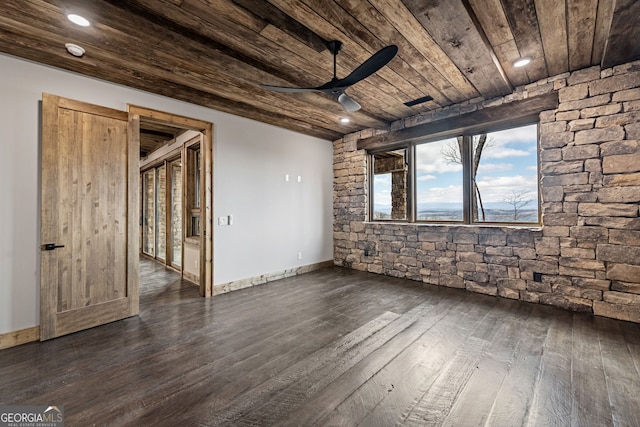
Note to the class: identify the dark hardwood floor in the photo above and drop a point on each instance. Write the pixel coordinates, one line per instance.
(334, 347)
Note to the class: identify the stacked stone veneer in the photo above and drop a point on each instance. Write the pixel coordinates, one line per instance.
(587, 250)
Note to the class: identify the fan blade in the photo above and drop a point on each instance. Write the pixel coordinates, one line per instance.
(370, 66)
(348, 103)
(289, 89)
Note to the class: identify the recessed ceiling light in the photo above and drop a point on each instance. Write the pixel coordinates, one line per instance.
(78, 20)
(345, 120)
(521, 62)
(74, 49)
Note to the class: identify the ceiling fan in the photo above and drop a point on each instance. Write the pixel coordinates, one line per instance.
(336, 87)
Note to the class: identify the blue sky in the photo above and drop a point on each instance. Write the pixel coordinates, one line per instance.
(509, 164)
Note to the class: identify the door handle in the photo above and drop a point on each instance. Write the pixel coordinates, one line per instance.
(52, 246)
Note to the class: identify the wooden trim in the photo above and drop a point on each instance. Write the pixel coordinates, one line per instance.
(72, 104)
(168, 244)
(191, 277)
(487, 119)
(133, 220)
(206, 200)
(48, 216)
(161, 117)
(185, 224)
(206, 213)
(23, 336)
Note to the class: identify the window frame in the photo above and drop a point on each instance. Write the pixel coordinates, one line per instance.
(467, 179)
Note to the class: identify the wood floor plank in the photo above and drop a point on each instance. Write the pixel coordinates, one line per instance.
(332, 347)
(624, 393)
(590, 405)
(294, 387)
(433, 407)
(384, 399)
(500, 370)
(511, 404)
(551, 404)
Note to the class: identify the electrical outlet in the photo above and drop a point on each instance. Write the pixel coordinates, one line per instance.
(223, 220)
(299, 255)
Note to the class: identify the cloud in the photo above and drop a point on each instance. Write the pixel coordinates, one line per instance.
(504, 153)
(518, 142)
(497, 189)
(485, 167)
(430, 159)
(426, 177)
(450, 193)
(520, 135)
(382, 180)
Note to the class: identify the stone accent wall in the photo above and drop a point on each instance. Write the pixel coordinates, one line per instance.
(585, 256)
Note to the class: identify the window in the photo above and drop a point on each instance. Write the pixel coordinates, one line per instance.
(176, 212)
(148, 212)
(506, 175)
(161, 212)
(390, 185)
(489, 177)
(439, 193)
(194, 190)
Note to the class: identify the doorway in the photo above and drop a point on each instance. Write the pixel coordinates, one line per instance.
(171, 200)
(90, 181)
(194, 158)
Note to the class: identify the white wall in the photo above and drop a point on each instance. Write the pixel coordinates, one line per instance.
(273, 219)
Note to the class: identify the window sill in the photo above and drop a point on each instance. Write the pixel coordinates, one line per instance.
(531, 227)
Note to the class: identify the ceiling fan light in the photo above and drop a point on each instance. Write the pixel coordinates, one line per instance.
(78, 20)
(521, 62)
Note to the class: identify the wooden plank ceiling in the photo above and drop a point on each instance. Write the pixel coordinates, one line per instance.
(215, 53)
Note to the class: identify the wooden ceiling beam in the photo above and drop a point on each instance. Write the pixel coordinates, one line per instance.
(415, 67)
(216, 73)
(492, 18)
(364, 92)
(39, 50)
(352, 51)
(581, 24)
(274, 16)
(523, 22)
(164, 67)
(623, 45)
(552, 20)
(403, 20)
(372, 34)
(262, 50)
(603, 26)
(489, 118)
(464, 43)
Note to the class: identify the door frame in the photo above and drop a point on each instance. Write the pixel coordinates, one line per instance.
(136, 113)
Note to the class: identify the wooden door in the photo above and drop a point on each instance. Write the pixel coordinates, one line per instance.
(89, 208)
